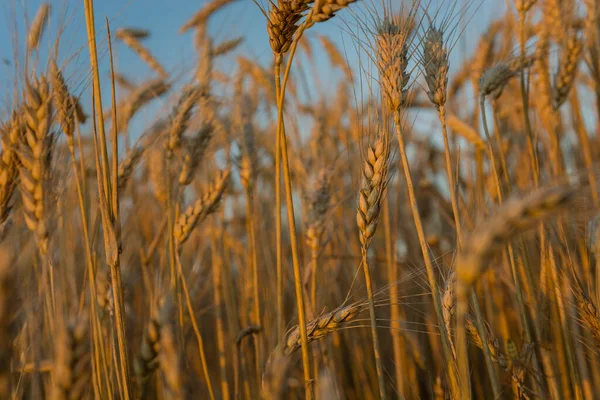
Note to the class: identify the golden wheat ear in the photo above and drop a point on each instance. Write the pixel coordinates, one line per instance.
(516, 215)
(323, 326)
(40, 21)
(199, 210)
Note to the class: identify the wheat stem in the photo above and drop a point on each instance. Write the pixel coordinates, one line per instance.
(373, 318)
(216, 267)
(428, 264)
(194, 322)
(107, 215)
(279, 273)
(291, 217)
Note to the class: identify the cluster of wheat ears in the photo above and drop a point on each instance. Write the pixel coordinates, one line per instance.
(437, 239)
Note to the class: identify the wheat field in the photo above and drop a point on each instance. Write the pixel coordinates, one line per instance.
(410, 213)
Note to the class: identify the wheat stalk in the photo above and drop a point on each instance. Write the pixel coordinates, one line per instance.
(7, 322)
(375, 172)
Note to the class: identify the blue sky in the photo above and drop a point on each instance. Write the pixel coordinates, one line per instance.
(175, 51)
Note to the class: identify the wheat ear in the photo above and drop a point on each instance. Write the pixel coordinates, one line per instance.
(72, 370)
(34, 156)
(282, 23)
(204, 206)
(492, 344)
(146, 361)
(323, 326)
(132, 41)
(181, 115)
(515, 215)
(375, 172)
(38, 26)
(10, 135)
(196, 147)
(567, 71)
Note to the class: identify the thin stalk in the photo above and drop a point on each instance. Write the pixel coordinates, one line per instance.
(376, 348)
(428, 263)
(194, 326)
(486, 350)
(104, 194)
(217, 287)
(115, 139)
(254, 270)
(451, 185)
(97, 338)
(314, 255)
(91, 31)
(478, 315)
(524, 94)
(280, 324)
(392, 272)
(564, 325)
(585, 143)
(291, 218)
